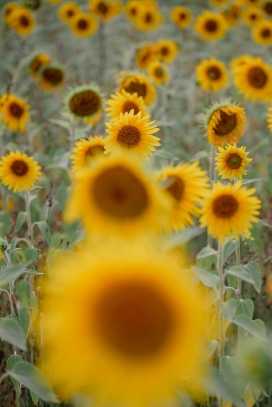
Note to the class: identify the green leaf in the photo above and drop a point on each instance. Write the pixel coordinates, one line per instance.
(11, 332)
(44, 228)
(12, 360)
(245, 307)
(241, 273)
(206, 277)
(254, 271)
(24, 318)
(210, 347)
(8, 274)
(206, 252)
(228, 308)
(34, 380)
(35, 398)
(5, 223)
(23, 293)
(255, 328)
(264, 223)
(206, 259)
(229, 248)
(62, 195)
(32, 254)
(198, 156)
(21, 218)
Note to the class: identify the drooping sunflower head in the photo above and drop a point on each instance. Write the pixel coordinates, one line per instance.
(267, 8)
(86, 151)
(8, 9)
(224, 123)
(67, 11)
(262, 33)
(83, 25)
(85, 101)
(232, 161)
(166, 50)
(158, 72)
(37, 62)
(229, 209)
(148, 18)
(124, 102)
(181, 16)
(22, 21)
(51, 77)
(132, 134)
(139, 84)
(212, 75)
(252, 16)
(211, 26)
(145, 55)
(14, 111)
(105, 9)
(18, 171)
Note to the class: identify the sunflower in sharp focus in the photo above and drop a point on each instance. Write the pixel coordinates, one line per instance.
(158, 72)
(225, 124)
(139, 84)
(211, 26)
(132, 134)
(252, 16)
(37, 62)
(124, 102)
(186, 184)
(85, 151)
(148, 19)
(269, 118)
(8, 9)
(14, 112)
(145, 55)
(85, 101)
(254, 80)
(67, 11)
(18, 171)
(119, 198)
(51, 77)
(212, 75)
(22, 21)
(83, 25)
(262, 33)
(229, 209)
(267, 8)
(105, 9)
(166, 50)
(232, 161)
(181, 16)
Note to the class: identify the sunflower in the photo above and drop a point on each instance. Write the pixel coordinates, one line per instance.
(37, 62)
(267, 8)
(124, 102)
(158, 72)
(148, 19)
(166, 50)
(212, 75)
(251, 2)
(252, 16)
(8, 9)
(254, 80)
(218, 3)
(119, 197)
(181, 16)
(225, 123)
(85, 151)
(132, 134)
(132, 9)
(232, 161)
(67, 11)
(93, 119)
(137, 318)
(105, 9)
(211, 26)
(233, 13)
(186, 184)
(18, 171)
(14, 111)
(145, 55)
(262, 33)
(51, 77)
(22, 21)
(269, 118)
(85, 101)
(229, 209)
(83, 25)
(139, 84)
(239, 61)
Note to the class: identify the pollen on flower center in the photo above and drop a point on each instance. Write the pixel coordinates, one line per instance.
(226, 124)
(234, 161)
(16, 110)
(257, 77)
(19, 168)
(211, 26)
(85, 103)
(135, 87)
(214, 72)
(225, 206)
(134, 319)
(129, 136)
(176, 189)
(128, 106)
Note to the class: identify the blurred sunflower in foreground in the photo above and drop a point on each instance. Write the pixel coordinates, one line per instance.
(232, 161)
(14, 112)
(212, 75)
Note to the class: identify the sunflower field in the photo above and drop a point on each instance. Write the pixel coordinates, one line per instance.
(136, 203)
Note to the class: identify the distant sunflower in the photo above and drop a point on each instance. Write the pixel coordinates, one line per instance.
(254, 80)
(232, 161)
(119, 197)
(181, 16)
(267, 8)
(269, 118)
(218, 3)
(14, 111)
(225, 124)
(67, 11)
(233, 13)
(8, 10)
(252, 2)
(145, 55)
(186, 184)
(262, 33)
(18, 171)
(51, 77)
(136, 83)
(132, 9)
(212, 75)
(229, 209)
(85, 151)
(166, 50)
(124, 102)
(83, 25)
(105, 9)
(37, 62)
(132, 134)
(55, 1)
(85, 101)
(211, 26)
(252, 16)
(148, 19)
(22, 21)
(239, 61)
(158, 72)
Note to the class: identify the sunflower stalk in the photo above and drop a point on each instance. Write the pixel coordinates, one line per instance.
(220, 314)
(211, 175)
(239, 290)
(28, 217)
(72, 130)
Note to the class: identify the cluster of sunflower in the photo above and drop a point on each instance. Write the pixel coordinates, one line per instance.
(49, 74)
(20, 19)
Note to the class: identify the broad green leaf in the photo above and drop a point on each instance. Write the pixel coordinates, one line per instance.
(12, 360)
(228, 308)
(254, 271)
(11, 332)
(211, 298)
(251, 395)
(206, 252)
(229, 248)
(206, 259)
(32, 254)
(24, 318)
(23, 293)
(5, 223)
(245, 307)
(206, 277)
(62, 195)
(210, 347)
(241, 273)
(44, 228)
(8, 274)
(255, 328)
(21, 218)
(34, 380)
(35, 398)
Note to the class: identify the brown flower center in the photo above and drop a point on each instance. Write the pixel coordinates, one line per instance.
(268, 7)
(85, 103)
(119, 193)
(24, 21)
(226, 124)
(129, 136)
(225, 206)
(182, 16)
(134, 318)
(133, 11)
(214, 72)
(159, 72)
(257, 77)
(266, 33)
(164, 51)
(253, 16)
(16, 110)
(19, 168)
(234, 161)
(148, 18)
(211, 26)
(70, 13)
(53, 75)
(176, 188)
(136, 87)
(82, 24)
(103, 8)
(128, 106)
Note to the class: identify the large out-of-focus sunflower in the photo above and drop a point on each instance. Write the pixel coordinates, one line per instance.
(132, 134)
(218, 3)
(83, 25)
(212, 75)
(14, 112)
(37, 62)
(166, 50)
(232, 161)
(85, 101)
(67, 11)
(186, 184)
(251, 2)
(229, 209)
(145, 55)
(105, 9)
(85, 151)
(137, 318)
(139, 84)
(267, 8)
(233, 13)
(262, 33)
(148, 19)
(124, 102)
(119, 198)
(158, 72)
(22, 21)
(239, 61)
(252, 16)
(18, 171)
(181, 16)
(254, 80)
(211, 26)
(51, 77)
(224, 123)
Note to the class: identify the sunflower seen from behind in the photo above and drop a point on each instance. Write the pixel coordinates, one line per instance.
(86, 151)
(211, 75)
(124, 102)
(139, 84)
(231, 161)
(166, 50)
(14, 112)
(85, 101)
(83, 25)
(211, 26)
(181, 17)
(67, 11)
(262, 33)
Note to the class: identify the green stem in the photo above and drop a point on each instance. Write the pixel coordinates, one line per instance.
(239, 290)
(72, 134)
(221, 343)
(211, 176)
(28, 217)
